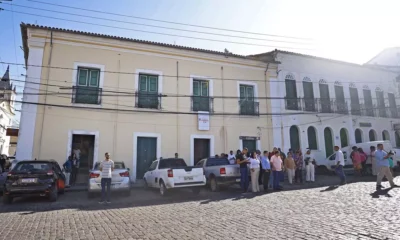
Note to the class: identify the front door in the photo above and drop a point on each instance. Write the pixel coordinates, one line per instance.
(250, 145)
(201, 149)
(83, 145)
(146, 154)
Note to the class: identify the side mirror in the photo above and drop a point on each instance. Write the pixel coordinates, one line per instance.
(128, 169)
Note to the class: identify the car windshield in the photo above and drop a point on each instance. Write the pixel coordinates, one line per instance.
(117, 165)
(32, 167)
(217, 161)
(172, 163)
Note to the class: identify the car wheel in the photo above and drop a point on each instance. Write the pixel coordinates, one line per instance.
(53, 194)
(146, 186)
(163, 189)
(7, 199)
(214, 185)
(196, 190)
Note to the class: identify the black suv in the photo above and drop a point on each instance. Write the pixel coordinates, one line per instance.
(34, 178)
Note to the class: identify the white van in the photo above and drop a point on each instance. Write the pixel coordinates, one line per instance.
(330, 163)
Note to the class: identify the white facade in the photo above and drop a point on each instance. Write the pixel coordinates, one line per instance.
(317, 70)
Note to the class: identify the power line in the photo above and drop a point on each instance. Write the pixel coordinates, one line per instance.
(15, 40)
(172, 76)
(158, 33)
(155, 26)
(170, 22)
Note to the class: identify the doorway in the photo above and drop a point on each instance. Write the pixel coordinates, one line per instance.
(145, 155)
(251, 145)
(201, 149)
(83, 145)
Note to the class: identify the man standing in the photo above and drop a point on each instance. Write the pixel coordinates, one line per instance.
(176, 155)
(339, 159)
(260, 177)
(244, 172)
(266, 169)
(310, 166)
(68, 169)
(382, 162)
(106, 168)
(277, 167)
(231, 157)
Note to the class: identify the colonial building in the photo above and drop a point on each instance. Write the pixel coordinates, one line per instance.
(331, 103)
(138, 100)
(7, 98)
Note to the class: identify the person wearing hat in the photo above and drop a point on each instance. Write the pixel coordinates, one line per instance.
(339, 159)
(242, 160)
(310, 166)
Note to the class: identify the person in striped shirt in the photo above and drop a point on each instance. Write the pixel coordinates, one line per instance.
(106, 168)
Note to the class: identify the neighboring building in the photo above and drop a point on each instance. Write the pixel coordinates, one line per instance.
(12, 132)
(7, 111)
(337, 103)
(143, 124)
(388, 59)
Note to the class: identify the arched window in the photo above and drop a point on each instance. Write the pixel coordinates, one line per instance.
(397, 138)
(328, 136)
(358, 136)
(294, 138)
(372, 135)
(385, 135)
(344, 137)
(312, 138)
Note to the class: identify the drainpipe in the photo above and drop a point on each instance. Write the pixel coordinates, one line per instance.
(45, 95)
(116, 115)
(270, 137)
(224, 132)
(177, 107)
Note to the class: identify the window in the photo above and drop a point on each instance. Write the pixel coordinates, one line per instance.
(147, 96)
(368, 106)
(291, 93)
(294, 138)
(397, 138)
(248, 106)
(200, 163)
(381, 103)
(392, 106)
(153, 166)
(324, 96)
(200, 99)
(312, 138)
(385, 136)
(358, 136)
(309, 101)
(340, 102)
(372, 135)
(87, 89)
(355, 101)
(344, 139)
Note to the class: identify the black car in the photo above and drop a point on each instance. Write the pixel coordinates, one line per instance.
(34, 178)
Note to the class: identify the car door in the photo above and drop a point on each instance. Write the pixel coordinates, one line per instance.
(151, 174)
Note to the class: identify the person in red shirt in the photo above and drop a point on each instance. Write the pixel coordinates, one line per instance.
(364, 158)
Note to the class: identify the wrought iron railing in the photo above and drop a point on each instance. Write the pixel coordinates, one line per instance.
(200, 103)
(86, 95)
(249, 107)
(148, 100)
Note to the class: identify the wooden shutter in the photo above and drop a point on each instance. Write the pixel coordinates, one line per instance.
(82, 77)
(94, 78)
(153, 84)
(143, 83)
(196, 88)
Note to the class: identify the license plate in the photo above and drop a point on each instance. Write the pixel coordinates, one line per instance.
(238, 180)
(188, 178)
(28, 180)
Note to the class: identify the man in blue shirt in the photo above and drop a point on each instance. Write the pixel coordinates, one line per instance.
(382, 162)
(266, 168)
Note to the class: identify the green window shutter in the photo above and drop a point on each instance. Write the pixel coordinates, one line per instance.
(142, 83)
(196, 88)
(242, 92)
(250, 92)
(204, 88)
(94, 78)
(153, 84)
(82, 77)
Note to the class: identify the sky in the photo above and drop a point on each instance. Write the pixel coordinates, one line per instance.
(351, 31)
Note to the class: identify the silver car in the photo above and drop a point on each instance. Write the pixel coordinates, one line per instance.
(120, 181)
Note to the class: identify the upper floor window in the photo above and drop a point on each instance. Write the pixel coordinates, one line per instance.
(325, 102)
(87, 89)
(381, 102)
(147, 96)
(309, 100)
(201, 100)
(291, 93)
(247, 104)
(354, 100)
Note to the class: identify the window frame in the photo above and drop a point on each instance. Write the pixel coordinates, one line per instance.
(255, 96)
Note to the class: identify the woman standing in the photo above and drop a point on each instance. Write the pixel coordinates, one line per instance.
(290, 167)
(254, 172)
(363, 158)
(298, 159)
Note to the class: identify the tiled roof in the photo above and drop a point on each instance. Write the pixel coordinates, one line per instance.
(25, 26)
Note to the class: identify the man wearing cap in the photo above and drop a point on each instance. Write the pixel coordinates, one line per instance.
(339, 159)
(244, 174)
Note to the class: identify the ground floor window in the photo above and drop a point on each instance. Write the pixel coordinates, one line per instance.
(358, 136)
(294, 138)
(372, 135)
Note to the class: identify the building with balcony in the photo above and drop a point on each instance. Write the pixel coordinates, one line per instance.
(138, 100)
(330, 102)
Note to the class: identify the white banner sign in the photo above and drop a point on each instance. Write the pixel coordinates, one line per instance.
(204, 121)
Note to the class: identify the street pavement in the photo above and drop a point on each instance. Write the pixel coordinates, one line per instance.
(353, 211)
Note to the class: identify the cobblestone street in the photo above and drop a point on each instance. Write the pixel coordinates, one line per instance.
(348, 212)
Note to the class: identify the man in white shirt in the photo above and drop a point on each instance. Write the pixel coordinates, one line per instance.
(106, 168)
(339, 159)
(231, 158)
(310, 166)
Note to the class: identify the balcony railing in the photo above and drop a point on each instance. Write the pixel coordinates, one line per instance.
(200, 103)
(86, 95)
(249, 107)
(148, 100)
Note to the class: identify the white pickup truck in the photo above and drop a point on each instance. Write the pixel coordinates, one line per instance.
(170, 173)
